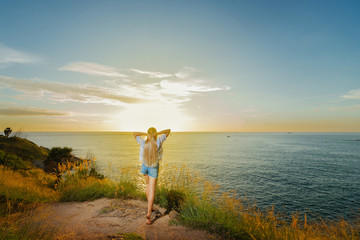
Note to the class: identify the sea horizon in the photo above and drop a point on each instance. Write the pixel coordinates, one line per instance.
(190, 131)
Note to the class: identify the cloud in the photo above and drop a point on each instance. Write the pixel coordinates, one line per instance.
(152, 74)
(63, 92)
(353, 94)
(9, 56)
(185, 72)
(92, 69)
(177, 88)
(27, 111)
(187, 88)
(115, 92)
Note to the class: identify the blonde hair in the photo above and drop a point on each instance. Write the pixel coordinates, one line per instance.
(151, 148)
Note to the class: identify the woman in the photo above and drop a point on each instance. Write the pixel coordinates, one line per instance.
(150, 155)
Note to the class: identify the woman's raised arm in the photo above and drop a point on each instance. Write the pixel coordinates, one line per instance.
(139, 134)
(166, 131)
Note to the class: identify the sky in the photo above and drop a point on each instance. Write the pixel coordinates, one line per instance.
(229, 66)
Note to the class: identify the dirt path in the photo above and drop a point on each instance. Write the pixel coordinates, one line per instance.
(105, 218)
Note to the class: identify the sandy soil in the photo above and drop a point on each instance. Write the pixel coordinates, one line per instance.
(105, 218)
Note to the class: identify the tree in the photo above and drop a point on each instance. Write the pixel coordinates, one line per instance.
(7, 131)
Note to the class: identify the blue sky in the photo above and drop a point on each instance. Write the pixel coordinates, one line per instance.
(185, 65)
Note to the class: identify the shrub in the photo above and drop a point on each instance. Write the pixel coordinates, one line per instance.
(170, 199)
(79, 169)
(12, 161)
(58, 153)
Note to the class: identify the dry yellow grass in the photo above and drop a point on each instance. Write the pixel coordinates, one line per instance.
(27, 186)
(22, 191)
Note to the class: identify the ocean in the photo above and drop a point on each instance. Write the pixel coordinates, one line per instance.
(313, 173)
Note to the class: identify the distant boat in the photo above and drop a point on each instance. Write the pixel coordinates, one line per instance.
(228, 136)
(289, 132)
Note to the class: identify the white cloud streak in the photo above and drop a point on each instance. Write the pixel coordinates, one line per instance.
(92, 69)
(152, 74)
(185, 72)
(9, 56)
(353, 94)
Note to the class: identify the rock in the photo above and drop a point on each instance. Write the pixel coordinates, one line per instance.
(173, 214)
(39, 164)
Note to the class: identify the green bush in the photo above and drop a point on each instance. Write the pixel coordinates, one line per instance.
(12, 161)
(58, 153)
(170, 199)
(86, 168)
(55, 156)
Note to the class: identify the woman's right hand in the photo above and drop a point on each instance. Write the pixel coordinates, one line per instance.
(166, 131)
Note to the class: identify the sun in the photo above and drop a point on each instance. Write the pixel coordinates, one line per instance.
(140, 117)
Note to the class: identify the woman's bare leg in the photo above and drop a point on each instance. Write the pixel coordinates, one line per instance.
(147, 186)
(151, 196)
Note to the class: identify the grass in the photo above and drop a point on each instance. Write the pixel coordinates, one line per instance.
(21, 188)
(130, 184)
(200, 203)
(27, 227)
(23, 148)
(77, 183)
(128, 236)
(86, 189)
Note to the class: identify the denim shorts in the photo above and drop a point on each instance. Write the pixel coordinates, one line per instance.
(151, 171)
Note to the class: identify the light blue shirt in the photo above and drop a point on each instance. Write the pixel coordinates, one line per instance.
(159, 141)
